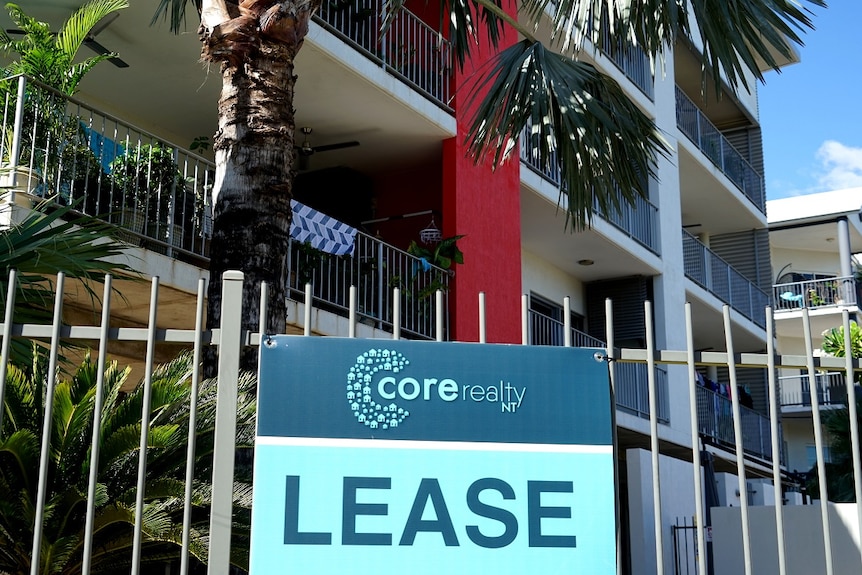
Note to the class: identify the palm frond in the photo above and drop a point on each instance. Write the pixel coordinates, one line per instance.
(579, 119)
(76, 29)
(735, 36)
(174, 12)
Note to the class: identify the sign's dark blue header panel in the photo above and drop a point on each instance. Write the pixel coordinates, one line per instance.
(363, 389)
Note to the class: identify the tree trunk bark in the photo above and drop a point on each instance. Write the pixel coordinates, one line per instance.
(254, 157)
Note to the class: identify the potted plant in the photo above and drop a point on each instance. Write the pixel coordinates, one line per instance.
(146, 186)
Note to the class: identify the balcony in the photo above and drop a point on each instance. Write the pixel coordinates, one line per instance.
(410, 49)
(375, 268)
(719, 278)
(639, 222)
(796, 391)
(631, 59)
(632, 393)
(819, 294)
(715, 421)
(158, 196)
(692, 122)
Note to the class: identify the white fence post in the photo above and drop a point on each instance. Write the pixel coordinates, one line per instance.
(221, 510)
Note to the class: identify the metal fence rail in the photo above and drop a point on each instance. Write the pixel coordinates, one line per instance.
(410, 48)
(63, 149)
(694, 124)
(718, 277)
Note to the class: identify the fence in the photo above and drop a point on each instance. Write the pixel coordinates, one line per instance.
(223, 409)
(632, 394)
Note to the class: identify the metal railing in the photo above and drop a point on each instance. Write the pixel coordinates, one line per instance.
(715, 420)
(813, 294)
(638, 221)
(694, 124)
(375, 268)
(410, 49)
(712, 273)
(160, 196)
(796, 391)
(632, 392)
(60, 148)
(629, 58)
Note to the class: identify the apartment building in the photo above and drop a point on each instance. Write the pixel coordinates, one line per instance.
(814, 240)
(700, 237)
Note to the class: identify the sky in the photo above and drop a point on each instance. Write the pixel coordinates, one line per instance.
(811, 113)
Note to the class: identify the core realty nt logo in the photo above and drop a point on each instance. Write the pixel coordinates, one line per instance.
(372, 398)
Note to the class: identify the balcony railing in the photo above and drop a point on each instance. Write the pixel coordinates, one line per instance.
(815, 294)
(159, 195)
(796, 391)
(715, 421)
(718, 277)
(412, 50)
(639, 222)
(629, 58)
(632, 387)
(694, 124)
(375, 268)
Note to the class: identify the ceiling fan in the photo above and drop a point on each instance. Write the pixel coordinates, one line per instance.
(305, 150)
(91, 42)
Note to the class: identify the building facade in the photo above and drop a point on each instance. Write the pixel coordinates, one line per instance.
(700, 237)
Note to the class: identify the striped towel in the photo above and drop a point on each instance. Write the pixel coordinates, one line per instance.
(321, 231)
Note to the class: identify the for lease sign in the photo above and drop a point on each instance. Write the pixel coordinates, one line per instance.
(384, 456)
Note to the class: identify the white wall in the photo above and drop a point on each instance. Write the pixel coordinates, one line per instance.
(803, 536)
(540, 276)
(677, 502)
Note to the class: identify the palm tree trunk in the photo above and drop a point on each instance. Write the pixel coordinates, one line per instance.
(254, 156)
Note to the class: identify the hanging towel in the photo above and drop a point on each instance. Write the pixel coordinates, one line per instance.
(321, 231)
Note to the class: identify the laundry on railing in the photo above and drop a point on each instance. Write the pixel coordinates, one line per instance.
(321, 231)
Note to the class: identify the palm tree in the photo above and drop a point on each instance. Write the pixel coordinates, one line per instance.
(66, 500)
(604, 144)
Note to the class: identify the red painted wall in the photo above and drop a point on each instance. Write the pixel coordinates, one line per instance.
(404, 191)
(484, 205)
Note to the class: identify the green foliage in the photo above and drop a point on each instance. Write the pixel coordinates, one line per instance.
(444, 255)
(46, 242)
(145, 178)
(833, 341)
(68, 474)
(52, 58)
(839, 471)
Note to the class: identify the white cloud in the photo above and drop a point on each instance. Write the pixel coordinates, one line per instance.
(841, 166)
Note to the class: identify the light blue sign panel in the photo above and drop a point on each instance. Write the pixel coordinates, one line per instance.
(462, 482)
(360, 509)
